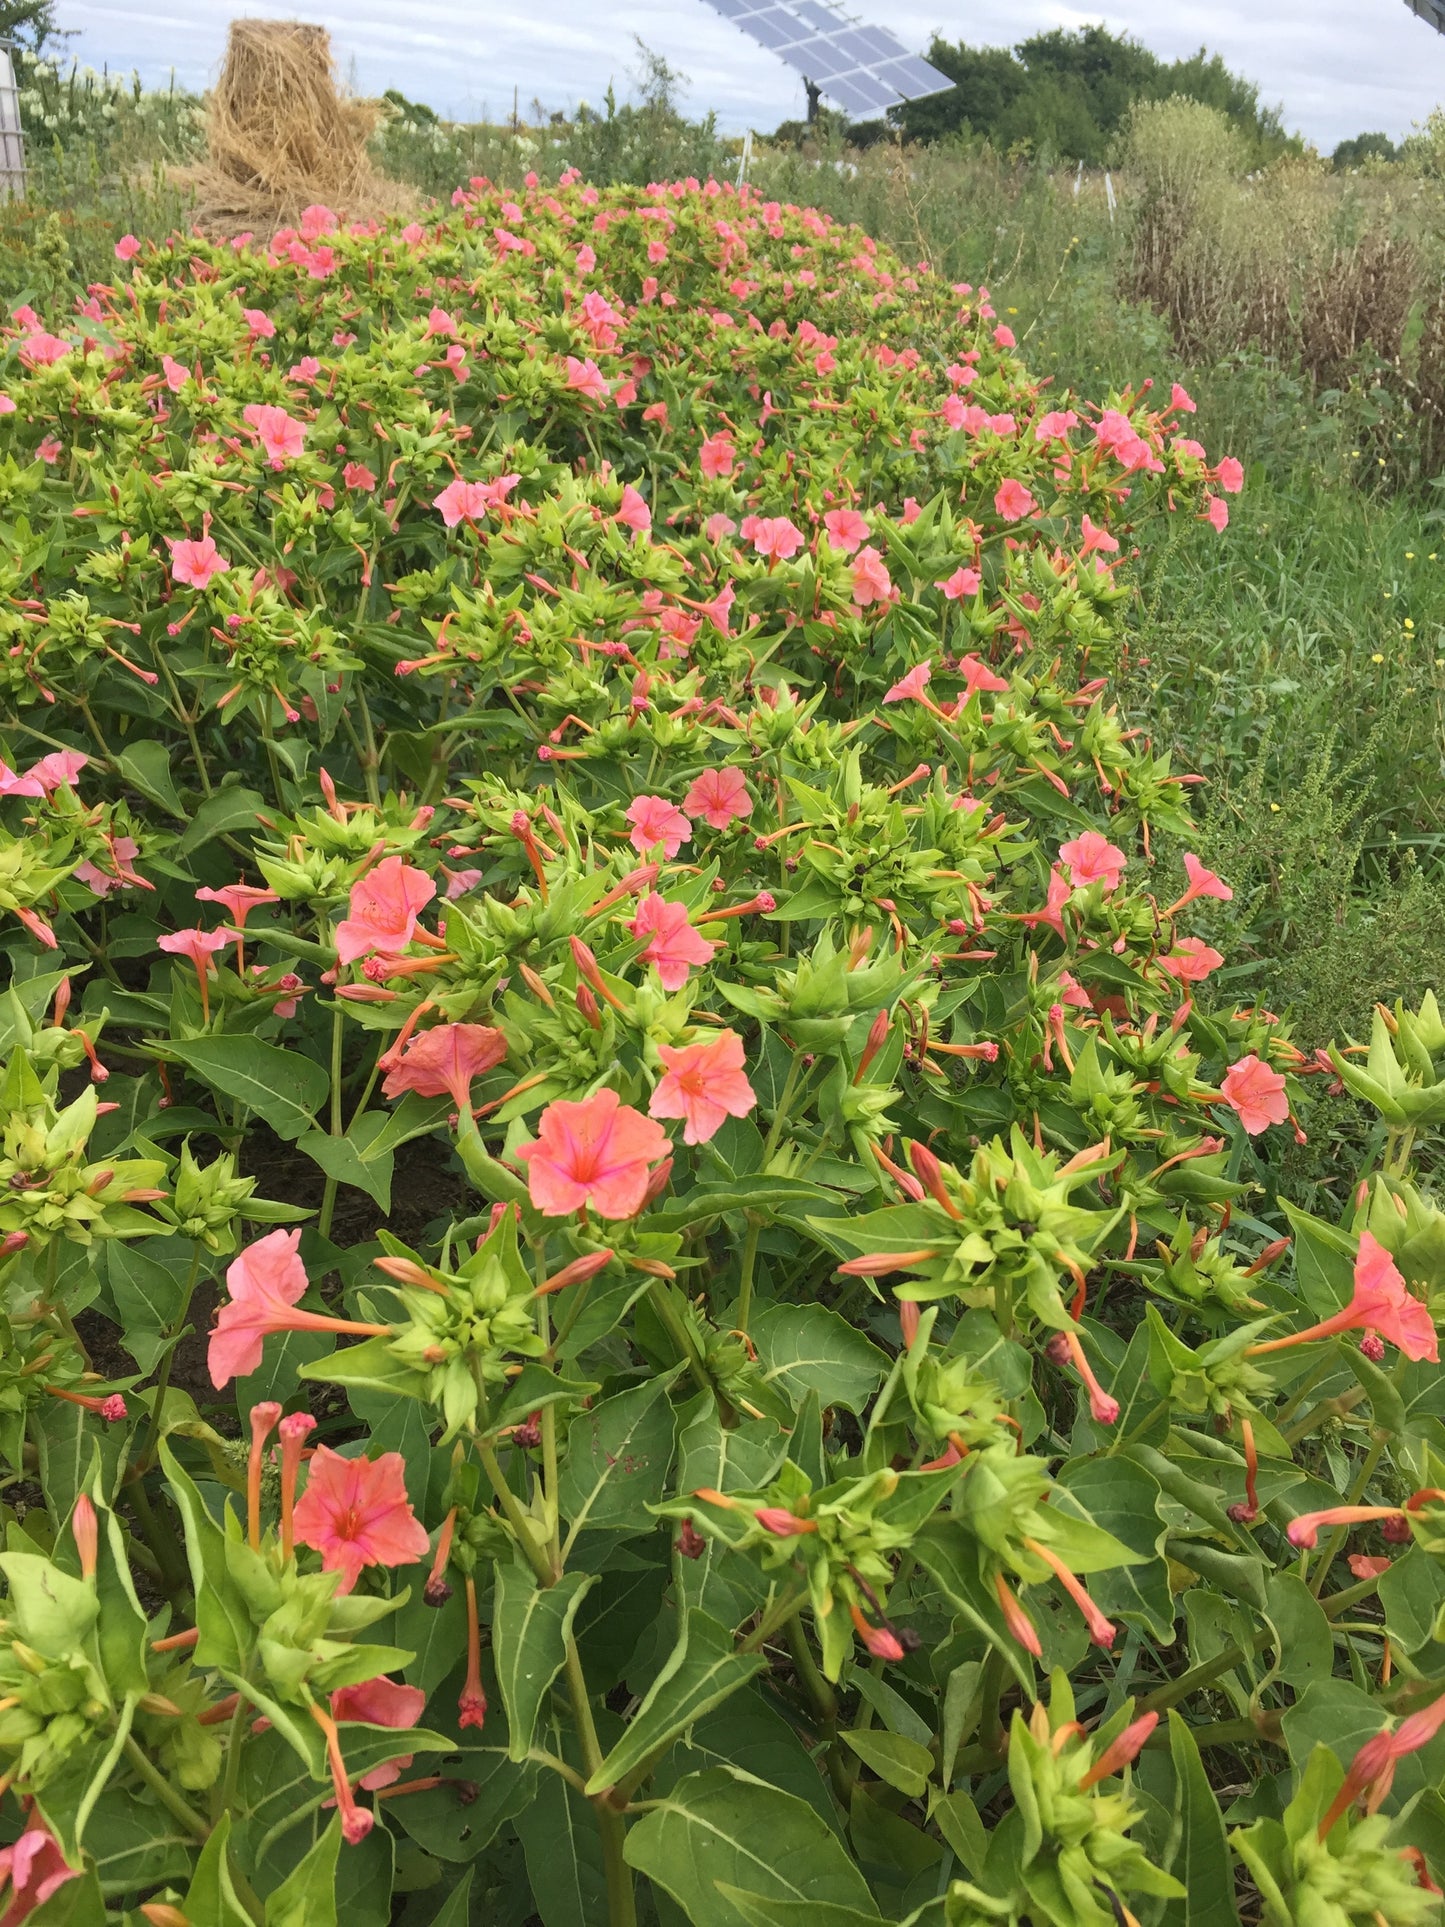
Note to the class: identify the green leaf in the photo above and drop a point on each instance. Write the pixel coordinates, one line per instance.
(1119, 1495)
(563, 1850)
(370, 1366)
(456, 1909)
(146, 766)
(1200, 1861)
(282, 1087)
(230, 808)
(723, 1829)
(530, 1626)
(901, 1762)
(211, 1899)
(704, 1201)
(701, 1671)
(617, 1459)
(225, 1624)
(135, 1842)
(806, 1348)
(354, 1159)
(1334, 1713)
(307, 1896)
(1304, 1642)
(759, 1910)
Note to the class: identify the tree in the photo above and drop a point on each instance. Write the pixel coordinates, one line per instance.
(30, 23)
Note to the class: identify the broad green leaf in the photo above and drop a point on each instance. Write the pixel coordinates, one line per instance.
(530, 1627)
(617, 1458)
(747, 1732)
(1122, 1497)
(563, 1850)
(281, 1087)
(722, 1828)
(759, 1910)
(230, 808)
(211, 1899)
(956, 1818)
(354, 1158)
(225, 1624)
(764, 1194)
(1306, 1646)
(147, 764)
(807, 1348)
(1200, 1860)
(147, 1280)
(702, 1670)
(307, 1897)
(903, 1763)
(1333, 1713)
(135, 1842)
(456, 1909)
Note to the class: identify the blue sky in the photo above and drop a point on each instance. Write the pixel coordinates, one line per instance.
(1339, 67)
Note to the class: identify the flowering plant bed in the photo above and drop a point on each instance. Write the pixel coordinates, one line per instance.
(579, 904)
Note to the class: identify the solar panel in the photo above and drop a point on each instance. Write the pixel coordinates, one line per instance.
(861, 68)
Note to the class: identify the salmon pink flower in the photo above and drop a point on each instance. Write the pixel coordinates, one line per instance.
(674, 946)
(383, 910)
(586, 378)
(1056, 425)
(266, 1282)
(654, 820)
(1128, 1746)
(586, 259)
(1202, 883)
(1013, 501)
(42, 350)
(773, 536)
(355, 1513)
(1366, 1565)
(977, 675)
(847, 529)
(31, 1871)
(1051, 916)
(358, 476)
(1191, 961)
(127, 248)
(1381, 1303)
(599, 1152)
(280, 434)
(719, 525)
(1216, 512)
(910, 688)
(239, 898)
(13, 784)
(634, 512)
(1230, 475)
(1255, 1094)
(1180, 398)
(717, 456)
(60, 766)
(961, 583)
(1004, 337)
(194, 563)
(446, 1059)
(462, 501)
(1097, 538)
(871, 581)
(200, 946)
(260, 324)
(381, 1702)
(1092, 858)
(176, 373)
(705, 1084)
(718, 796)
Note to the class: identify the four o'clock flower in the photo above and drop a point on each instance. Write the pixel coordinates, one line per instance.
(1255, 1094)
(705, 1084)
(654, 820)
(194, 563)
(586, 378)
(1191, 960)
(871, 581)
(599, 1152)
(446, 1059)
(1380, 1303)
(281, 436)
(266, 1282)
(719, 797)
(200, 946)
(1092, 858)
(1202, 883)
(383, 910)
(1013, 501)
(355, 1513)
(673, 945)
(847, 529)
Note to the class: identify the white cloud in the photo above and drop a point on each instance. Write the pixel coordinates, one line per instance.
(1337, 67)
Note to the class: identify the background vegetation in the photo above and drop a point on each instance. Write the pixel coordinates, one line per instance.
(1302, 665)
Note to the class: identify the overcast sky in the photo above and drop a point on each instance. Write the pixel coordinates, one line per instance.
(1338, 67)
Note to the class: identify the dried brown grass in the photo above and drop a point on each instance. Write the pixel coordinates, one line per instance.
(280, 136)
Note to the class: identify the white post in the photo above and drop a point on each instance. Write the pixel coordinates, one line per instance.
(747, 155)
(12, 141)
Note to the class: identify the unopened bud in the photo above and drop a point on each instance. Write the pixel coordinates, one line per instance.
(1121, 1751)
(690, 1542)
(589, 1007)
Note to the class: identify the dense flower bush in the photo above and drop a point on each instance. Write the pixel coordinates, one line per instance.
(579, 904)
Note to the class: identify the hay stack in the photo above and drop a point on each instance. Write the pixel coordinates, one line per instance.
(280, 136)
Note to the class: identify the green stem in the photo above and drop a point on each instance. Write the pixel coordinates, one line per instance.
(163, 1376)
(161, 1787)
(786, 1609)
(745, 1287)
(328, 1195)
(680, 1335)
(521, 1525)
(621, 1899)
(371, 761)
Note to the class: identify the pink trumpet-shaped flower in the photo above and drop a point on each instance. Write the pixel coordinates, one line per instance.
(383, 910)
(1381, 1303)
(60, 766)
(1202, 883)
(381, 1702)
(1191, 960)
(963, 582)
(599, 1152)
(280, 435)
(194, 563)
(871, 581)
(446, 1059)
(586, 378)
(847, 529)
(673, 944)
(1255, 1094)
(31, 1870)
(239, 898)
(654, 820)
(705, 1084)
(355, 1513)
(127, 248)
(1092, 858)
(718, 796)
(1013, 501)
(977, 675)
(910, 688)
(634, 513)
(265, 1282)
(200, 946)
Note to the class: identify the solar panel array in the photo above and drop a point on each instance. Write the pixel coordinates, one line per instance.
(863, 69)
(1431, 10)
